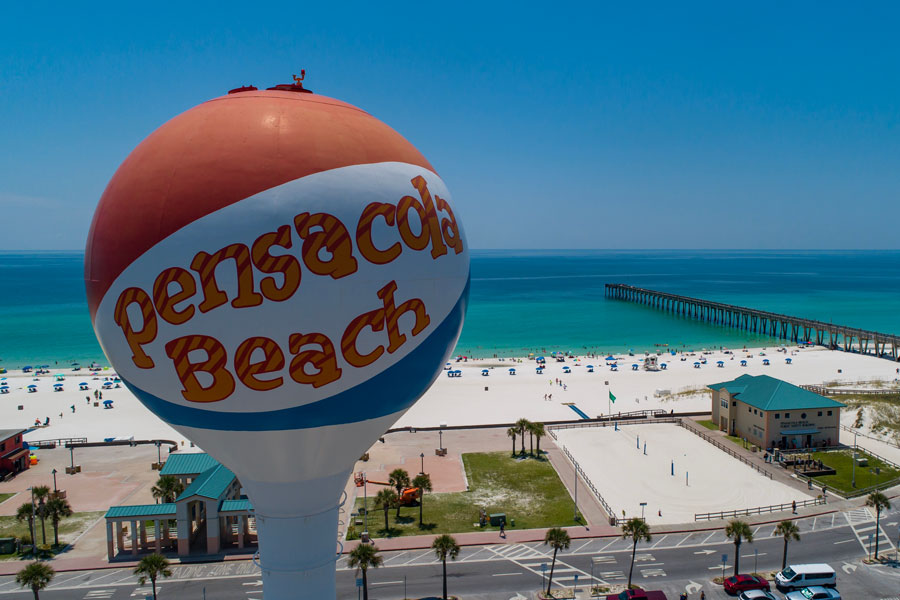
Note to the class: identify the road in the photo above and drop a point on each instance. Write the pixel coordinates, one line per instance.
(674, 563)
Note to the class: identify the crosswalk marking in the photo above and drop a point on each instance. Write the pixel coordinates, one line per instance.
(95, 594)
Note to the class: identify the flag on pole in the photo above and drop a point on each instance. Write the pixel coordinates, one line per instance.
(611, 397)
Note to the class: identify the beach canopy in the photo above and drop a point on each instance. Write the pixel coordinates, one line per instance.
(484, 371)
(662, 365)
(107, 402)
(32, 386)
(610, 357)
(765, 361)
(57, 385)
(512, 369)
(743, 363)
(787, 360)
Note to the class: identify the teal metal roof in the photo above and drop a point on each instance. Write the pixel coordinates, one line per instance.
(234, 505)
(212, 483)
(188, 463)
(767, 393)
(142, 510)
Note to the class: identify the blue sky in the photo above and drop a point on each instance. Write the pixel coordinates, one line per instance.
(670, 125)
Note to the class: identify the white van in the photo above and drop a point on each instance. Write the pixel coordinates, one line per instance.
(801, 576)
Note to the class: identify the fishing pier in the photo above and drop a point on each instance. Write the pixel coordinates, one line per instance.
(785, 327)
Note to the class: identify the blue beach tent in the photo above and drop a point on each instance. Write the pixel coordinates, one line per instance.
(720, 363)
(512, 370)
(485, 372)
(590, 368)
(743, 363)
(765, 362)
(788, 360)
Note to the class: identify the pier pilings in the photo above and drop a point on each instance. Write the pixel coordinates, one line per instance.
(783, 327)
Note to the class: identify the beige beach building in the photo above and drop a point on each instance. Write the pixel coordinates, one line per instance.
(772, 413)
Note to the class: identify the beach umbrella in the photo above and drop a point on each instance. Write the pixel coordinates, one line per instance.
(663, 366)
(765, 361)
(743, 363)
(787, 360)
(610, 357)
(485, 372)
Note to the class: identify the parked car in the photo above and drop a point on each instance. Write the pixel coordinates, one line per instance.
(757, 595)
(796, 577)
(816, 592)
(743, 582)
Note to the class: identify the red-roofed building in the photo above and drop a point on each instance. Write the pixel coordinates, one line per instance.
(13, 453)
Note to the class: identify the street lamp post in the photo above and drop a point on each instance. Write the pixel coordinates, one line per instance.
(853, 483)
(158, 454)
(440, 439)
(54, 480)
(422, 469)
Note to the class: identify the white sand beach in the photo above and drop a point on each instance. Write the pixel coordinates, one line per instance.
(705, 479)
(463, 400)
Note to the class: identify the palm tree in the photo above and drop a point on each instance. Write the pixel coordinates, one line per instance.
(40, 493)
(361, 558)
(539, 432)
(25, 512)
(522, 426)
(790, 531)
(558, 539)
(738, 531)
(167, 488)
(37, 576)
(879, 502)
(638, 530)
(385, 500)
(444, 546)
(423, 482)
(57, 509)
(399, 478)
(151, 567)
(512, 432)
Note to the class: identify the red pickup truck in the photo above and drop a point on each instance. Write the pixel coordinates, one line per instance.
(637, 594)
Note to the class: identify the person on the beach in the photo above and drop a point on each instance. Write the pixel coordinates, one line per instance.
(73, 408)
(794, 506)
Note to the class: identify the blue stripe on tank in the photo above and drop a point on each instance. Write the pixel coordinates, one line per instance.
(393, 390)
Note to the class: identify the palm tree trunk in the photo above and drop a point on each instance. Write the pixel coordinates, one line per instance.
(631, 570)
(43, 531)
(365, 586)
(784, 556)
(552, 566)
(514, 445)
(737, 556)
(444, 560)
(35, 591)
(522, 435)
(153, 583)
(56, 532)
(421, 498)
(539, 445)
(877, 529)
(531, 443)
(386, 509)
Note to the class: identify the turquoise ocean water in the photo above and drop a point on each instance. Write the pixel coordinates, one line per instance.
(526, 301)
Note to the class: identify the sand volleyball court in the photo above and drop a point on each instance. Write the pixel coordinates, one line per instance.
(625, 476)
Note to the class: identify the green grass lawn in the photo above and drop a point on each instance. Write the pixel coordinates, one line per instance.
(5, 497)
(709, 424)
(528, 491)
(865, 476)
(10, 527)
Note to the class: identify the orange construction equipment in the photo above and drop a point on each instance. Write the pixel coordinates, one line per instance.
(408, 497)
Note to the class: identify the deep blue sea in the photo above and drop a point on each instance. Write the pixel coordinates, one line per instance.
(525, 301)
